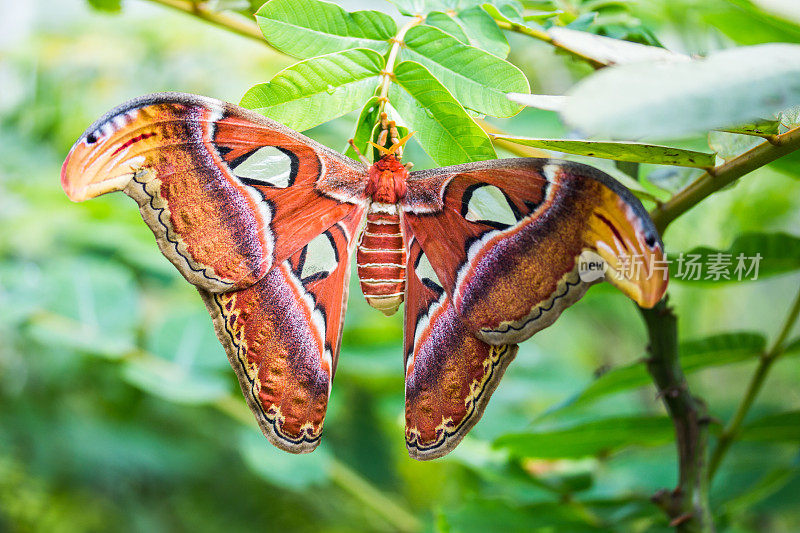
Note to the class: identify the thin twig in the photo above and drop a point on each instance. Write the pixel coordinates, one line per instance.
(731, 431)
(235, 24)
(545, 37)
(686, 505)
(722, 175)
(370, 496)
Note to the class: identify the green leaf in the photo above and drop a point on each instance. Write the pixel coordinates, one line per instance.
(420, 7)
(113, 240)
(482, 31)
(172, 382)
(496, 514)
(477, 79)
(444, 129)
(766, 486)
(465, 20)
(609, 51)
(308, 28)
(779, 253)
(788, 164)
(447, 24)
(86, 304)
(364, 127)
(184, 338)
(295, 472)
(760, 127)
(508, 12)
(620, 151)
(745, 23)
(695, 355)
(541, 15)
(790, 118)
(728, 146)
(781, 427)
(598, 437)
(229, 5)
(319, 89)
(792, 347)
(673, 179)
(669, 100)
(61, 332)
(511, 15)
(109, 6)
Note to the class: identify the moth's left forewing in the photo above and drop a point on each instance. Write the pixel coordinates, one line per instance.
(282, 336)
(227, 193)
(450, 373)
(514, 233)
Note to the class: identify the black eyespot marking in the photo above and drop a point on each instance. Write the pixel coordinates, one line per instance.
(91, 138)
(650, 240)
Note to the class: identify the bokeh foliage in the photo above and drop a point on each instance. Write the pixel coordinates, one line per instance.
(118, 409)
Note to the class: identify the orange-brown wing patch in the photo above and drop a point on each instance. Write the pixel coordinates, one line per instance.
(450, 374)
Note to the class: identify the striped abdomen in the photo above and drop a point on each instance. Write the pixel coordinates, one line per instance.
(382, 259)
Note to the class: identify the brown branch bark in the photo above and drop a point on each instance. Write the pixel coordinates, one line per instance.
(686, 505)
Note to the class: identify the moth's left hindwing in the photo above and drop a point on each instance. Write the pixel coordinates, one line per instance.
(282, 336)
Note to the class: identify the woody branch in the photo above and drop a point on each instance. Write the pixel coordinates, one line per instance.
(720, 176)
(687, 505)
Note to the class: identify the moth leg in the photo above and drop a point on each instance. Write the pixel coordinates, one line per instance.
(361, 156)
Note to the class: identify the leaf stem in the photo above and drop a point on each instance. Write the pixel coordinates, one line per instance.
(234, 24)
(687, 505)
(397, 43)
(545, 37)
(718, 177)
(732, 429)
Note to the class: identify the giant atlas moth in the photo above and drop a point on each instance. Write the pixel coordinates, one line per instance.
(264, 221)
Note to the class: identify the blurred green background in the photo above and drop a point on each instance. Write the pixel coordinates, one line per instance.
(119, 411)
